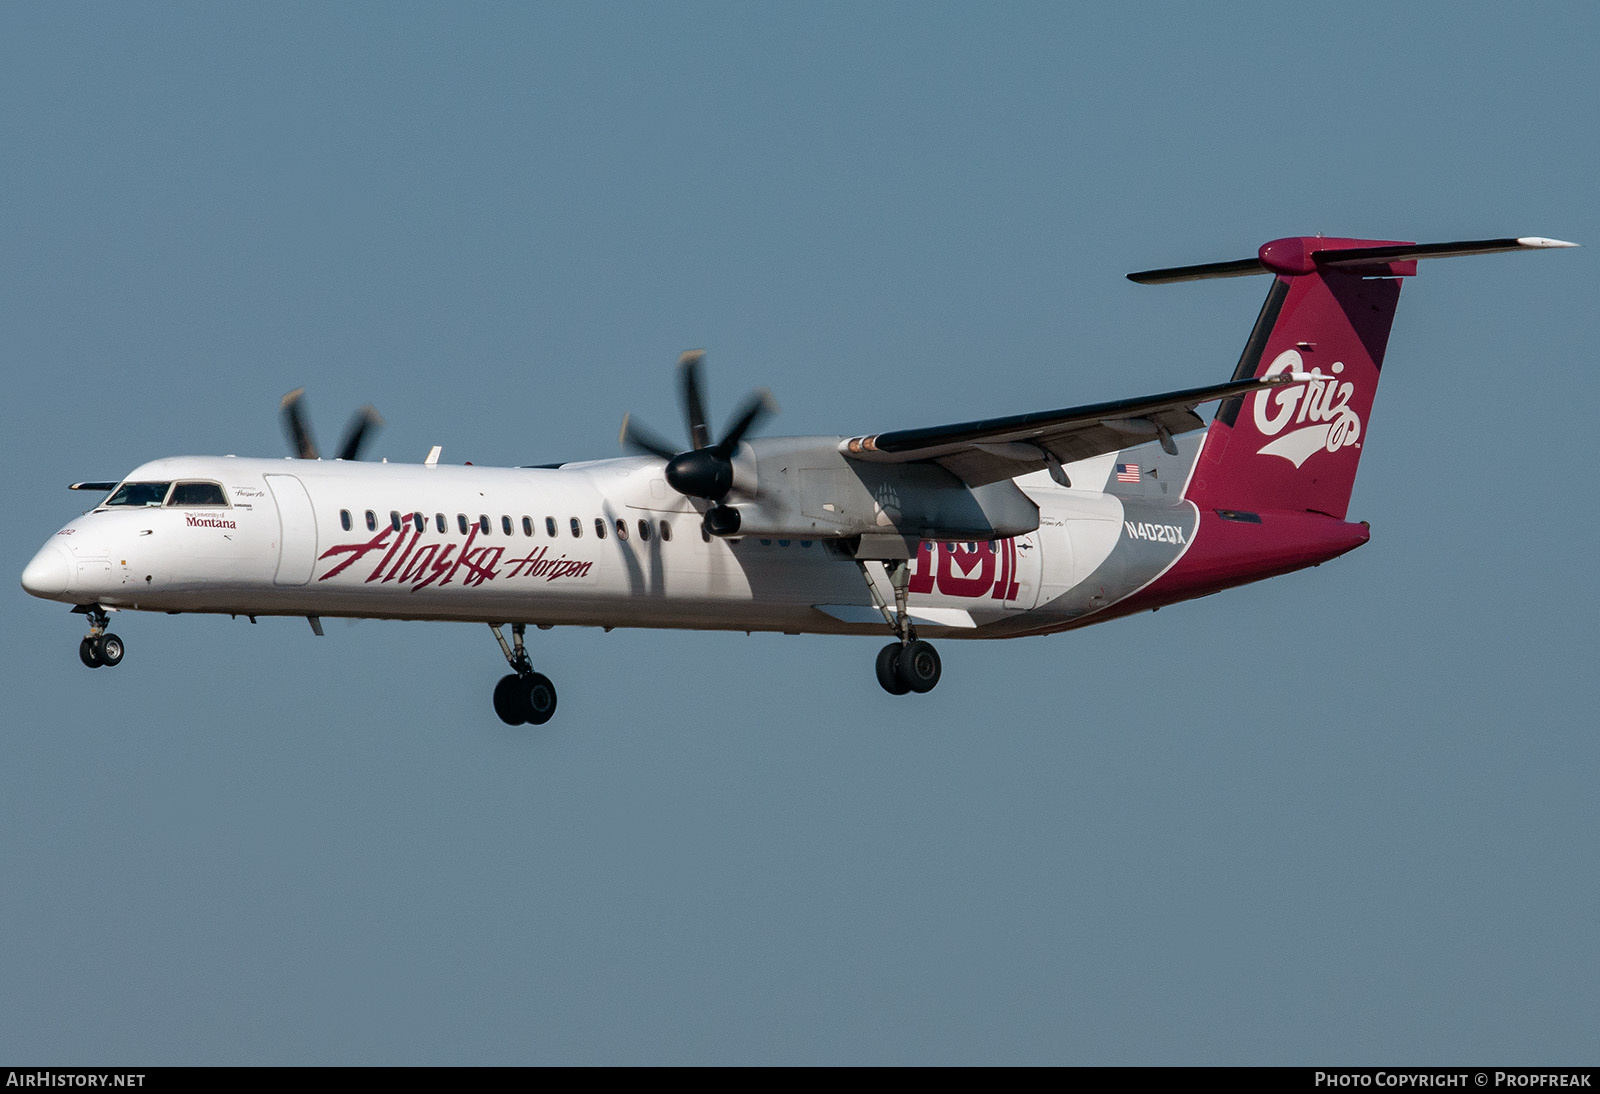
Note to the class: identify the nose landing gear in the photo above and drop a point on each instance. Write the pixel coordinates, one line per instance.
(99, 647)
(525, 697)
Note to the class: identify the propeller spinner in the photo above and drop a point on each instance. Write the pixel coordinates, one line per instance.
(364, 423)
(706, 469)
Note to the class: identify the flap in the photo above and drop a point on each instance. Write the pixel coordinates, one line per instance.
(866, 614)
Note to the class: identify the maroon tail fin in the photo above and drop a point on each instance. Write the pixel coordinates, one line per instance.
(1328, 315)
(1297, 447)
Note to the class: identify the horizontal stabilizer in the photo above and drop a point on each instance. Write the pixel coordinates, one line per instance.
(1311, 253)
(1244, 267)
(1360, 256)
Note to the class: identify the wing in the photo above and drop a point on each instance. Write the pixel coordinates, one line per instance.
(1003, 448)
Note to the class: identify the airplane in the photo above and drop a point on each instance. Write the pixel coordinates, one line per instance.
(1024, 525)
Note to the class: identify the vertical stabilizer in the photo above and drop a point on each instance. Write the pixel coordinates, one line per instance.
(1297, 447)
(1328, 315)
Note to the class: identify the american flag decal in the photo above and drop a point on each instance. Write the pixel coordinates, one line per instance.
(1129, 472)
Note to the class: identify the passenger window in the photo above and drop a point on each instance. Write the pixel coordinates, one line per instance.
(527, 526)
(550, 526)
(394, 519)
(438, 519)
(622, 529)
(344, 519)
(577, 528)
(139, 493)
(600, 527)
(644, 531)
(505, 525)
(461, 522)
(372, 521)
(420, 521)
(197, 495)
(666, 531)
(483, 523)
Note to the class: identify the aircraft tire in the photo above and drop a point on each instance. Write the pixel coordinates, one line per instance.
(918, 666)
(108, 647)
(510, 701)
(889, 671)
(88, 654)
(538, 699)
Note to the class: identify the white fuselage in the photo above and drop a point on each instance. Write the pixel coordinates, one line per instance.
(605, 543)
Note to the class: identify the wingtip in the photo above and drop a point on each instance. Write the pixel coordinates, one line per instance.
(1541, 243)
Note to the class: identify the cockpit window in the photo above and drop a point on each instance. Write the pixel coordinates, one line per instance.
(139, 493)
(197, 495)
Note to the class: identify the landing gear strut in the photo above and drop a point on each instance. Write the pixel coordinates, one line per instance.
(909, 664)
(99, 647)
(525, 697)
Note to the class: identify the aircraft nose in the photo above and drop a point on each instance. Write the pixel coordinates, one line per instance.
(49, 574)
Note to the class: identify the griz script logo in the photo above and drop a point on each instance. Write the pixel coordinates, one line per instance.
(1319, 410)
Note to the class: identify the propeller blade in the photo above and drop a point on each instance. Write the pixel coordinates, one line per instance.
(294, 424)
(693, 405)
(367, 420)
(757, 405)
(641, 439)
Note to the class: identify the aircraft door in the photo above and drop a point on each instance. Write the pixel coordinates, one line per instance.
(1055, 545)
(297, 530)
(1020, 567)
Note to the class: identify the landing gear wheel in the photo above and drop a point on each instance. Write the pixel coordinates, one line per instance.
(539, 698)
(88, 654)
(525, 697)
(888, 670)
(510, 702)
(109, 649)
(917, 666)
(525, 700)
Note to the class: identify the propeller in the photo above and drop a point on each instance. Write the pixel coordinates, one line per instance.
(362, 425)
(706, 469)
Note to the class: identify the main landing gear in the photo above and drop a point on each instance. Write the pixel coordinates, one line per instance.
(99, 647)
(525, 697)
(909, 664)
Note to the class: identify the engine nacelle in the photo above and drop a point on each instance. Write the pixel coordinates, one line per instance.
(808, 490)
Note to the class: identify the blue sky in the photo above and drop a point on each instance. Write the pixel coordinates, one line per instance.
(1343, 816)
